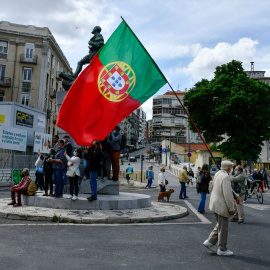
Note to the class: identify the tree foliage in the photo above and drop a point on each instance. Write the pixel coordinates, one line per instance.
(232, 109)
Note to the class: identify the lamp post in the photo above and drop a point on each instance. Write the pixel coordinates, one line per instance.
(170, 156)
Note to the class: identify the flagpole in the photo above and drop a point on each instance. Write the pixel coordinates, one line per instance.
(194, 126)
(175, 95)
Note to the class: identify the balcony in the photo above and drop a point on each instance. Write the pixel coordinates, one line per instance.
(27, 58)
(26, 86)
(52, 93)
(5, 81)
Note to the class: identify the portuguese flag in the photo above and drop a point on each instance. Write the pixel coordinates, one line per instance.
(119, 79)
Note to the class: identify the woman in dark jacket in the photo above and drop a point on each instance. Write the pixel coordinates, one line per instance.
(203, 186)
(94, 156)
(48, 171)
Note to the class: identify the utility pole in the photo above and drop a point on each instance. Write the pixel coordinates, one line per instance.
(188, 146)
(170, 148)
(142, 158)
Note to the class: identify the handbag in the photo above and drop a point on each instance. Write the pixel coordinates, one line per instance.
(70, 173)
(166, 182)
(39, 162)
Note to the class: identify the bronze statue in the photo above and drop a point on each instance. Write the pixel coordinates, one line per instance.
(95, 43)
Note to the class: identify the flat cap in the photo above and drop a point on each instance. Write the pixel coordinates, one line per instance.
(225, 164)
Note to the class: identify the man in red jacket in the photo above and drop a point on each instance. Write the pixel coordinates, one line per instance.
(20, 188)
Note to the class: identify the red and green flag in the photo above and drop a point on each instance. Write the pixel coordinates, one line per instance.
(119, 79)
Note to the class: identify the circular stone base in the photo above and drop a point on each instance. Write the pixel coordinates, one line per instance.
(157, 212)
(104, 202)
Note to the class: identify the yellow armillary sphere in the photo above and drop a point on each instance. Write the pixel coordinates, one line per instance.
(116, 80)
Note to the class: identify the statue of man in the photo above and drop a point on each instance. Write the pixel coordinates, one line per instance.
(95, 43)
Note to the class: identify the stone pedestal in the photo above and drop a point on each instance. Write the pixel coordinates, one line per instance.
(104, 202)
(107, 187)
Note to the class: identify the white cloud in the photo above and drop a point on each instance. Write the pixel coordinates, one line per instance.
(206, 60)
(158, 51)
(147, 107)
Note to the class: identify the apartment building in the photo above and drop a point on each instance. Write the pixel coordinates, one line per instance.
(260, 76)
(30, 61)
(134, 127)
(170, 120)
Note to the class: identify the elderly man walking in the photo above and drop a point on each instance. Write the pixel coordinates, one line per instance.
(222, 204)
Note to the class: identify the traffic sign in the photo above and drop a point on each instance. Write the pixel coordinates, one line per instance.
(189, 154)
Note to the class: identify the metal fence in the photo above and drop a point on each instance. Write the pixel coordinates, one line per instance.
(15, 161)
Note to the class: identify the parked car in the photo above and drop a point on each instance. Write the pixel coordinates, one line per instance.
(213, 169)
(148, 157)
(137, 156)
(132, 159)
(122, 155)
(192, 165)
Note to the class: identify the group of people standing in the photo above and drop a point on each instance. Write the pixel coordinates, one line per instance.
(62, 164)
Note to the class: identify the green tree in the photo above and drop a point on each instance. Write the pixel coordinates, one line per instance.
(232, 107)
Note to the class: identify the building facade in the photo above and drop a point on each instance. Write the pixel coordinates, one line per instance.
(170, 120)
(134, 127)
(30, 61)
(259, 76)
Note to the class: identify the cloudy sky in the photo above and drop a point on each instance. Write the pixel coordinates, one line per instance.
(186, 38)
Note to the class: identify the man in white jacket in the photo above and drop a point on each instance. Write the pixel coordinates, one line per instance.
(222, 204)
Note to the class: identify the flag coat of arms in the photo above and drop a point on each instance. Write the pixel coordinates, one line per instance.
(119, 79)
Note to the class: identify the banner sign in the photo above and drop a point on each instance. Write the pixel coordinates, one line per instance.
(24, 119)
(42, 142)
(41, 121)
(13, 138)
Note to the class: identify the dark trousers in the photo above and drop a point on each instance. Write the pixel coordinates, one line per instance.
(73, 185)
(162, 189)
(19, 193)
(183, 190)
(59, 181)
(39, 180)
(48, 182)
(266, 184)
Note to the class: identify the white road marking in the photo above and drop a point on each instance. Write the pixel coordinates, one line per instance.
(258, 206)
(203, 219)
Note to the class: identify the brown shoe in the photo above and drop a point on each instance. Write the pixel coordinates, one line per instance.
(17, 204)
(45, 194)
(12, 203)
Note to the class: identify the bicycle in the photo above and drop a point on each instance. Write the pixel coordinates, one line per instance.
(256, 191)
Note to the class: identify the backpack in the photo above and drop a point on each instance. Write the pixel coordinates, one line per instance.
(123, 142)
(198, 179)
(32, 188)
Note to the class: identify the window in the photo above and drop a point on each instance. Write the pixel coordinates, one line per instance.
(2, 95)
(49, 55)
(157, 110)
(3, 46)
(25, 99)
(27, 74)
(2, 72)
(29, 50)
(53, 62)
